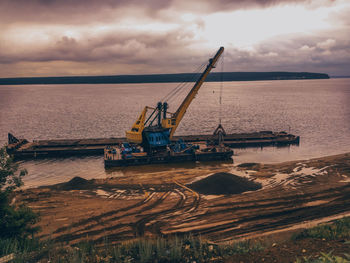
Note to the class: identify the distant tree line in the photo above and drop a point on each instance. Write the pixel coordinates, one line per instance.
(164, 78)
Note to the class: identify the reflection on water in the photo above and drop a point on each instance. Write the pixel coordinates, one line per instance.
(317, 110)
(51, 171)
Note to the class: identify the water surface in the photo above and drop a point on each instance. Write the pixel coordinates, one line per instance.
(317, 110)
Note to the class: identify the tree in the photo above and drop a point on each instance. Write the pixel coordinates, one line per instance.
(15, 221)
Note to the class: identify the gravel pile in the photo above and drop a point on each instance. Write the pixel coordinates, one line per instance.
(77, 183)
(224, 183)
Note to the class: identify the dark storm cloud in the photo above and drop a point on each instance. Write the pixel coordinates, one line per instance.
(329, 52)
(73, 11)
(120, 51)
(117, 46)
(89, 11)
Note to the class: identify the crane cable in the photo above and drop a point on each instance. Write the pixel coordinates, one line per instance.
(182, 85)
(221, 87)
(195, 78)
(179, 88)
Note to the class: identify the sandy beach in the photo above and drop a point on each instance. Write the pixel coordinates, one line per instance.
(294, 195)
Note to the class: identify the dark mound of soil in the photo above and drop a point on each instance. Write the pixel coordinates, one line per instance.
(224, 183)
(249, 165)
(77, 183)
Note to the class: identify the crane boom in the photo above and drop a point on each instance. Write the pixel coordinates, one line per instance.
(175, 119)
(170, 124)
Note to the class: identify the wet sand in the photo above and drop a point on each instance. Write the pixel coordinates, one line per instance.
(293, 193)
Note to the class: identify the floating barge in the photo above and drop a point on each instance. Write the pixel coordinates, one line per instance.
(23, 149)
(114, 158)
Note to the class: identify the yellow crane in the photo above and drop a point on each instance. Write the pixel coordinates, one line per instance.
(135, 134)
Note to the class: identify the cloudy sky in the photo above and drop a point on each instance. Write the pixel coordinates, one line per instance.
(112, 37)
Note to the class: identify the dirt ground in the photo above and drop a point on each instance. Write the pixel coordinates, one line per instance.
(289, 251)
(293, 195)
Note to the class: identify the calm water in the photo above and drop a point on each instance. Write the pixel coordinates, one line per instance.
(317, 110)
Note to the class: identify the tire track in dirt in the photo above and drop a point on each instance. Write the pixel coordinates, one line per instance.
(296, 199)
(196, 197)
(97, 219)
(155, 227)
(140, 226)
(182, 199)
(270, 216)
(88, 230)
(278, 220)
(229, 215)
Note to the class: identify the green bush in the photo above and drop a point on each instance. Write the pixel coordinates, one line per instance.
(16, 222)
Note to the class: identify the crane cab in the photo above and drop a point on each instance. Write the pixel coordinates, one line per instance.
(169, 123)
(155, 139)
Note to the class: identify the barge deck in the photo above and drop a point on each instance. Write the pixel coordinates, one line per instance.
(113, 157)
(22, 149)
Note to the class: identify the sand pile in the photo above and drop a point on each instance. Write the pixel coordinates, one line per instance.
(224, 183)
(77, 183)
(253, 166)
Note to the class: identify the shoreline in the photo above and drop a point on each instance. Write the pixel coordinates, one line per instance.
(159, 204)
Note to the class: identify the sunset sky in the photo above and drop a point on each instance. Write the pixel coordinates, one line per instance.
(106, 37)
